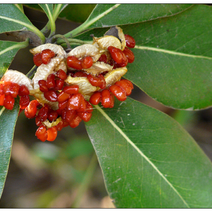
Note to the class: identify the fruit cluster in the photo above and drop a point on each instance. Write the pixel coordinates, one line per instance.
(66, 85)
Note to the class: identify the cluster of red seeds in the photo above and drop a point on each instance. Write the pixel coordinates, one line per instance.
(9, 91)
(72, 107)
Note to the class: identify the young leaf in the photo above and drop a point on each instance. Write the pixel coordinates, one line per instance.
(48, 9)
(8, 52)
(148, 159)
(7, 125)
(105, 15)
(12, 19)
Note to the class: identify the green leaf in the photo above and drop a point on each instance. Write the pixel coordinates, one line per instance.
(79, 12)
(173, 57)
(105, 15)
(12, 19)
(8, 50)
(7, 125)
(148, 160)
(48, 9)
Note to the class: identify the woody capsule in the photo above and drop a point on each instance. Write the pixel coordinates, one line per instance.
(65, 85)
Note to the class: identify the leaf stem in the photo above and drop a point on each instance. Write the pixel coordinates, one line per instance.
(89, 22)
(86, 181)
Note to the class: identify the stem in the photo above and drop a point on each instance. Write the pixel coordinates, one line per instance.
(89, 22)
(30, 74)
(52, 23)
(86, 181)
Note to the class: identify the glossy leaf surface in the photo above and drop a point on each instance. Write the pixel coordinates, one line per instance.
(172, 58)
(148, 160)
(105, 15)
(8, 50)
(13, 19)
(7, 125)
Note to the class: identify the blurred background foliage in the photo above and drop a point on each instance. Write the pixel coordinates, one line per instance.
(65, 173)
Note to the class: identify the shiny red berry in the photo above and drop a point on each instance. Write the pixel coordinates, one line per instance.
(75, 121)
(71, 89)
(2, 96)
(98, 81)
(70, 115)
(103, 58)
(42, 85)
(119, 93)
(95, 98)
(41, 133)
(80, 74)
(52, 115)
(61, 74)
(51, 134)
(51, 95)
(124, 84)
(37, 59)
(63, 96)
(23, 90)
(129, 54)
(107, 99)
(24, 101)
(59, 83)
(74, 62)
(31, 109)
(87, 62)
(118, 56)
(43, 114)
(46, 56)
(75, 101)
(130, 41)
(9, 102)
(50, 81)
(85, 116)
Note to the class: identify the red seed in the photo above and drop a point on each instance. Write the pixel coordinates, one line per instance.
(74, 62)
(23, 90)
(75, 121)
(106, 99)
(43, 114)
(2, 96)
(118, 56)
(1, 88)
(82, 106)
(9, 102)
(38, 122)
(98, 81)
(51, 134)
(62, 97)
(24, 101)
(85, 116)
(31, 109)
(63, 105)
(80, 74)
(125, 86)
(61, 74)
(103, 58)
(47, 54)
(71, 89)
(70, 114)
(52, 115)
(51, 95)
(59, 126)
(95, 98)
(59, 83)
(42, 85)
(75, 101)
(14, 89)
(87, 62)
(41, 133)
(50, 81)
(130, 41)
(37, 59)
(89, 107)
(118, 92)
(129, 54)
